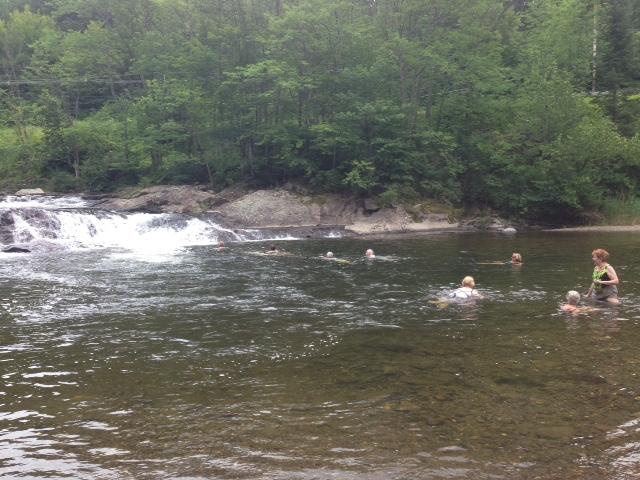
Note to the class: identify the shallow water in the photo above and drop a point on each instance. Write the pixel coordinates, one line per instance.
(204, 364)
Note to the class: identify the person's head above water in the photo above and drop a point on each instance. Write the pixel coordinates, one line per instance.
(599, 256)
(220, 243)
(573, 297)
(273, 248)
(329, 255)
(468, 282)
(369, 253)
(516, 258)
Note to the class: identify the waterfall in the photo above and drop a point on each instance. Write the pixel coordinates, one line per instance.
(68, 222)
(71, 222)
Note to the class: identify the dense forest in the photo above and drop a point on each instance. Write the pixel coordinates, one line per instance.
(529, 107)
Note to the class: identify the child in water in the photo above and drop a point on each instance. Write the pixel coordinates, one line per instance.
(466, 291)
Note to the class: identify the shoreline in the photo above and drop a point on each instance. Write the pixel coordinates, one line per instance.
(312, 231)
(594, 228)
(287, 210)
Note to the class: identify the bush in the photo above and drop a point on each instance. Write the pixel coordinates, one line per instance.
(62, 182)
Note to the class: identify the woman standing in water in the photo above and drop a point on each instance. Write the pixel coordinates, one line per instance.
(605, 278)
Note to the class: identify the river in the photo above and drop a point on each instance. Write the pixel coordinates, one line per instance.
(153, 358)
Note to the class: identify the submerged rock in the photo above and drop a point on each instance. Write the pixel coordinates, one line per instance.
(7, 225)
(16, 250)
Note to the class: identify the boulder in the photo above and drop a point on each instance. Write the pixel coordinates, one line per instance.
(15, 250)
(370, 205)
(30, 191)
(163, 199)
(280, 208)
(271, 208)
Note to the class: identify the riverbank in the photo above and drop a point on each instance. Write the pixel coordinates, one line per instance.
(598, 228)
(287, 208)
(304, 214)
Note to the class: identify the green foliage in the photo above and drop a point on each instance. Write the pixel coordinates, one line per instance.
(621, 211)
(477, 103)
(62, 182)
(19, 165)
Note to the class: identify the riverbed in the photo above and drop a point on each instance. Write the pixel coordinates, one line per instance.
(196, 363)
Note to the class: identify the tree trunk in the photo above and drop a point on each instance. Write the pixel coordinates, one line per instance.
(594, 49)
(76, 163)
(156, 160)
(209, 172)
(429, 110)
(372, 7)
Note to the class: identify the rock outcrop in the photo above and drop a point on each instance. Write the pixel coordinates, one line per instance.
(162, 199)
(278, 208)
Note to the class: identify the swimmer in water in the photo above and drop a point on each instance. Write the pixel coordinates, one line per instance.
(369, 254)
(467, 291)
(516, 259)
(573, 299)
(273, 250)
(220, 246)
(330, 256)
(571, 306)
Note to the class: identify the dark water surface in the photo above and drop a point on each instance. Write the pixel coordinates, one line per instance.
(205, 364)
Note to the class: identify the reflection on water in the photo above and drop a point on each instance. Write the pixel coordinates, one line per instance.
(206, 364)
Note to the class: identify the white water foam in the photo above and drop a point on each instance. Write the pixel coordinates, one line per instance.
(262, 235)
(42, 201)
(70, 222)
(139, 231)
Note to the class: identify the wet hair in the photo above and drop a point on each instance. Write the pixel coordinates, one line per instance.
(573, 297)
(601, 254)
(369, 250)
(468, 282)
(273, 248)
(516, 257)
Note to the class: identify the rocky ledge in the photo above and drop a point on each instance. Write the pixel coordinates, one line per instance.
(284, 208)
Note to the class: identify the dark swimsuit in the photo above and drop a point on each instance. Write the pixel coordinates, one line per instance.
(602, 292)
